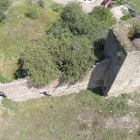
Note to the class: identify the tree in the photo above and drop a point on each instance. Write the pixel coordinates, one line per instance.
(4, 4)
(31, 12)
(73, 57)
(2, 15)
(38, 64)
(103, 14)
(71, 14)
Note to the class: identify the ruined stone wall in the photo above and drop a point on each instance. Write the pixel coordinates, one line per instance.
(123, 75)
(20, 90)
(127, 79)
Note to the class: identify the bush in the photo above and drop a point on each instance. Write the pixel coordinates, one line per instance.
(57, 7)
(68, 58)
(72, 13)
(38, 64)
(4, 4)
(42, 3)
(73, 57)
(31, 12)
(2, 15)
(125, 17)
(103, 14)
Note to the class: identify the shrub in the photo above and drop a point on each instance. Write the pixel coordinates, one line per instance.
(57, 7)
(4, 4)
(68, 58)
(42, 3)
(103, 14)
(72, 13)
(38, 64)
(31, 12)
(125, 17)
(73, 57)
(2, 15)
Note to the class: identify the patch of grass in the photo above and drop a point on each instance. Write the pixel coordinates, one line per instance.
(17, 31)
(83, 126)
(72, 117)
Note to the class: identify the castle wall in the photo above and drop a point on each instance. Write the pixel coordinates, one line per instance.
(127, 80)
(20, 90)
(123, 75)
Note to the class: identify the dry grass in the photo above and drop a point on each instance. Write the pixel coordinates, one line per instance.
(82, 116)
(17, 31)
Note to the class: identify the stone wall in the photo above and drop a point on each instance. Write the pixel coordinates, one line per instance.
(127, 78)
(20, 90)
(123, 74)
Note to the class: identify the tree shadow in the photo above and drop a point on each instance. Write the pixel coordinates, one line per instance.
(99, 47)
(20, 72)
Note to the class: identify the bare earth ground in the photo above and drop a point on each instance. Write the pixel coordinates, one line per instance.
(87, 7)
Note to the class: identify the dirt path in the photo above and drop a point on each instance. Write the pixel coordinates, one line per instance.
(86, 6)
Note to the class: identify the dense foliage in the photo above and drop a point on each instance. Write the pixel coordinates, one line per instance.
(42, 3)
(2, 15)
(38, 64)
(103, 14)
(69, 49)
(45, 60)
(125, 17)
(31, 12)
(58, 8)
(4, 4)
(72, 13)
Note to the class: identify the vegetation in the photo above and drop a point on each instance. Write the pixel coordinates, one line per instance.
(18, 31)
(4, 4)
(58, 8)
(82, 116)
(42, 3)
(31, 12)
(71, 14)
(2, 15)
(69, 46)
(135, 4)
(3, 78)
(125, 17)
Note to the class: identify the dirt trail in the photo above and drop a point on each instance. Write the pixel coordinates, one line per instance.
(86, 6)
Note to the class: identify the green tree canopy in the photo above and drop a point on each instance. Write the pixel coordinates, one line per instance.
(103, 14)
(4, 4)
(2, 15)
(72, 13)
(38, 64)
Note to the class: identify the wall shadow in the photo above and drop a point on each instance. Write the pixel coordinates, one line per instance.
(98, 91)
(2, 94)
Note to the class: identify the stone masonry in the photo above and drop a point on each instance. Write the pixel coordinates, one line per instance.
(123, 75)
(20, 90)
(118, 73)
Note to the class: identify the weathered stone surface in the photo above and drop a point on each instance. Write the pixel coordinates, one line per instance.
(20, 90)
(123, 75)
